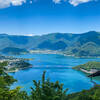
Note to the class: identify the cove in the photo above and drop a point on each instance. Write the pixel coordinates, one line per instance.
(58, 68)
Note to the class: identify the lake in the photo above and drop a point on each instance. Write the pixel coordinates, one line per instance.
(57, 67)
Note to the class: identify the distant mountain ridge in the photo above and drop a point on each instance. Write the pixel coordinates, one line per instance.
(86, 44)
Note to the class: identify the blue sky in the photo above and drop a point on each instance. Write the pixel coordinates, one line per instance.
(33, 17)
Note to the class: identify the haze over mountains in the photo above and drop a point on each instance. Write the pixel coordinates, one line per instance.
(86, 44)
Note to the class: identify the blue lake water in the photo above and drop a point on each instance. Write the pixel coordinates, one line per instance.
(57, 67)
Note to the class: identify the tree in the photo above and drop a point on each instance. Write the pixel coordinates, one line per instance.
(5, 82)
(47, 90)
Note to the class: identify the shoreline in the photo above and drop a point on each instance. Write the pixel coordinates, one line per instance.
(52, 52)
(59, 52)
(88, 72)
(17, 69)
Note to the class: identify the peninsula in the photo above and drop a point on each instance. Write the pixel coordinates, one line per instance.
(90, 67)
(12, 64)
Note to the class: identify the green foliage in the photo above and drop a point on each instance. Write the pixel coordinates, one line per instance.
(48, 90)
(2, 64)
(5, 82)
(86, 50)
(60, 45)
(13, 50)
(2, 68)
(92, 94)
(88, 66)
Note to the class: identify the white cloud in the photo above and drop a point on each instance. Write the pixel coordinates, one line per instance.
(77, 2)
(74, 2)
(56, 1)
(7, 3)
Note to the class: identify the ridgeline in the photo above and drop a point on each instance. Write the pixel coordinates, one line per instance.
(78, 45)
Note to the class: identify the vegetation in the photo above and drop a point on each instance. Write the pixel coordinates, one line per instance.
(48, 90)
(13, 50)
(13, 64)
(17, 65)
(89, 49)
(80, 45)
(88, 66)
(92, 94)
(60, 45)
(5, 63)
(5, 82)
(43, 90)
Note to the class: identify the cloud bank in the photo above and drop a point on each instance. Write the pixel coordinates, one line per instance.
(73, 2)
(7, 3)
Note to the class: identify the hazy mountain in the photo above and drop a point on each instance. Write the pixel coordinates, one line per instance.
(77, 44)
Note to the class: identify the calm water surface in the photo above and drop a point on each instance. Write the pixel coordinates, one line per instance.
(58, 67)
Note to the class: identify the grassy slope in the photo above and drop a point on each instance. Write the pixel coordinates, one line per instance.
(88, 66)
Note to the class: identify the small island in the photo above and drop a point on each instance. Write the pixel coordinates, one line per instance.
(90, 67)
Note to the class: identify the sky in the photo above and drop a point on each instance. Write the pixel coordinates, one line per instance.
(36, 17)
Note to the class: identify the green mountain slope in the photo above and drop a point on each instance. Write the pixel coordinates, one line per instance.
(81, 45)
(13, 50)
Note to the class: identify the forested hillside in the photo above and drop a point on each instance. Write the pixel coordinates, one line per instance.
(81, 45)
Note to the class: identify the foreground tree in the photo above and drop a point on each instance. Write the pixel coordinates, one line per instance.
(47, 90)
(5, 82)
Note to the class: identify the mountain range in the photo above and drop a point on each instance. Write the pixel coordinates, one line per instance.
(85, 44)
